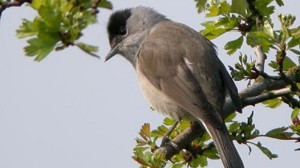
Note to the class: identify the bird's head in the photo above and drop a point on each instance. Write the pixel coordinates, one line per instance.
(128, 28)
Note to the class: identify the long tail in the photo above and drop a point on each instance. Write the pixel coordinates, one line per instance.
(225, 147)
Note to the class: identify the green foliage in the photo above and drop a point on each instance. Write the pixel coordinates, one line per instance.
(233, 45)
(251, 20)
(273, 103)
(202, 148)
(59, 24)
(243, 69)
(265, 150)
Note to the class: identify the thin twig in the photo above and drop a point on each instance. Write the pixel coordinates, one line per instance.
(7, 4)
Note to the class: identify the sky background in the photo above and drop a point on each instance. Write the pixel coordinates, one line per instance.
(74, 111)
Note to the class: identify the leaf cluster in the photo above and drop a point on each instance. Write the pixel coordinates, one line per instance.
(58, 25)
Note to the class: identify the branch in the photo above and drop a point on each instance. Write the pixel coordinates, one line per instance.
(250, 96)
(260, 60)
(7, 4)
(267, 96)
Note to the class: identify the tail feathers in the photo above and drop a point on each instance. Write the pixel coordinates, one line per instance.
(225, 147)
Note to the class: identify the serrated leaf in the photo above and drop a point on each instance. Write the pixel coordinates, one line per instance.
(233, 45)
(28, 28)
(216, 28)
(263, 7)
(295, 51)
(201, 5)
(140, 142)
(41, 46)
(224, 8)
(213, 11)
(43, 53)
(266, 151)
(260, 38)
(240, 7)
(145, 131)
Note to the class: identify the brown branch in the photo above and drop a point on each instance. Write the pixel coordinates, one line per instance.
(7, 4)
(251, 95)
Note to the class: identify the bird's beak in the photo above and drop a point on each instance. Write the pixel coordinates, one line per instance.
(112, 52)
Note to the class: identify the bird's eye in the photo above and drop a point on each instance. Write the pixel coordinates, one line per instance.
(122, 30)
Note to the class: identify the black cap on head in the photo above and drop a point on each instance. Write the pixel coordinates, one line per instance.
(117, 23)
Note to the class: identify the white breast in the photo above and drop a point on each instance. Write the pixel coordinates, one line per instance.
(159, 101)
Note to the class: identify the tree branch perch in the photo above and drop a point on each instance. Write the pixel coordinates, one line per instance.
(250, 96)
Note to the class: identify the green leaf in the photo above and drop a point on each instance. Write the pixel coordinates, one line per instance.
(240, 6)
(200, 161)
(28, 28)
(268, 29)
(213, 11)
(234, 126)
(293, 42)
(295, 32)
(224, 8)
(218, 9)
(279, 133)
(169, 121)
(263, 8)
(216, 28)
(201, 5)
(273, 103)
(211, 153)
(89, 49)
(295, 113)
(145, 131)
(287, 64)
(232, 46)
(35, 4)
(105, 4)
(273, 64)
(230, 117)
(266, 151)
(279, 2)
(260, 38)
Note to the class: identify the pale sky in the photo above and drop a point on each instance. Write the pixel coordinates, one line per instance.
(74, 111)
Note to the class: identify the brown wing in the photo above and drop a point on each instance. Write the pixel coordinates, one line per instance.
(191, 77)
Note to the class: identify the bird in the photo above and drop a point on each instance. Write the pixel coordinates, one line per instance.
(178, 71)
